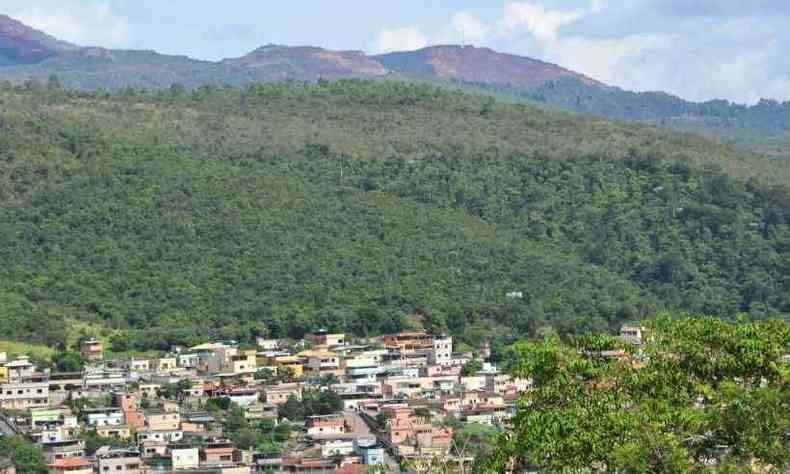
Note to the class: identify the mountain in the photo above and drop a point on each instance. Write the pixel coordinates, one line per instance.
(306, 63)
(20, 44)
(171, 216)
(477, 65)
(29, 54)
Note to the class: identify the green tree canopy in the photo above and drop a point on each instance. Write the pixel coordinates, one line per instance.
(27, 457)
(701, 394)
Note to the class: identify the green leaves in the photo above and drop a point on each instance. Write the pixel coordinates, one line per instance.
(703, 393)
(27, 457)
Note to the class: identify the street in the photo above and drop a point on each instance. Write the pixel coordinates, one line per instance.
(361, 429)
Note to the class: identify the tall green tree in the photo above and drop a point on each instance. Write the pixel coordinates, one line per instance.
(701, 394)
(27, 457)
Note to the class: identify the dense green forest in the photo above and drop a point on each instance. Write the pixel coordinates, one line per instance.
(761, 128)
(281, 208)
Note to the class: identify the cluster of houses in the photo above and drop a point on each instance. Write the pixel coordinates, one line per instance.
(397, 392)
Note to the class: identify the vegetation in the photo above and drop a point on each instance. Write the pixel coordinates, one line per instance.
(763, 128)
(472, 367)
(68, 362)
(93, 442)
(265, 435)
(26, 456)
(701, 395)
(173, 217)
(314, 402)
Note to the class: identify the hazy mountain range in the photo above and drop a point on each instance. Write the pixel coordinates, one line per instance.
(26, 53)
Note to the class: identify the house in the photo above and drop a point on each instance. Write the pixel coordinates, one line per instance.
(92, 350)
(104, 416)
(322, 362)
(324, 338)
(149, 390)
(214, 356)
(441, 352)
(120, 432)
(152, 448)
(3, 374)
(63, 449)
(295, 363)
(219, 455)
(169, 436)
(268, 344)
(325, 425)
(473, 382)
(71, 466)
(166, 364)
(370, 451)
(188, 360)
(244, 363)
(102, 379)
(631, 334)
(138, 365)
(128, 403)
(366, 358)
(24, 394)
(162, 421)
(20, 368)
(334, 446)
(408, 341)
(118, 461)
(185, 458)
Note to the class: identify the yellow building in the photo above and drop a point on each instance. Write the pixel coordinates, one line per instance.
(3, 375)
(296, 363)
(244, 363)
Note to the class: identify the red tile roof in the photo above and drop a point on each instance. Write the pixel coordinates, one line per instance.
(70, 462)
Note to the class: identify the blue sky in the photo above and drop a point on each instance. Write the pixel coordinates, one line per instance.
(698, 49)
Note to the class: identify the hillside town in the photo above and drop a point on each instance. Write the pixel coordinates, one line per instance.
(324, 404)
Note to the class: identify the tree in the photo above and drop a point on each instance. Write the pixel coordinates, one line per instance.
(292, 409)
(27, 457)
(286, 374)
(314, 402)
(265, 374)
(472, 367)
(337, 458)
(382, 418)
(699, 390)
(423, 413)
(329, 380)
(68, 362)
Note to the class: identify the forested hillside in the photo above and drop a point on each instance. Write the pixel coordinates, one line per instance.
(282, 208)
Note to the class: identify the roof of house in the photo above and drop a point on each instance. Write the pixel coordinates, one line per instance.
(219, 450)
(352, 469)
(70, 462)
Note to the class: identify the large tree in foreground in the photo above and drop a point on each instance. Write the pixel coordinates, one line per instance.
(700, 395)
(26, 457)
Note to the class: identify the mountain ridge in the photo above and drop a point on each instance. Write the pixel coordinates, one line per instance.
(28, 54)
(21, 44)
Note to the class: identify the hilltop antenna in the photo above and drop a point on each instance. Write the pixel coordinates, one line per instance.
(463, 37)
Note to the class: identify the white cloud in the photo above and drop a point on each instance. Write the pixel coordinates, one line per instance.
(406, 38)
(601, 59)
(85, 23)
(541, 22)
(467, 27)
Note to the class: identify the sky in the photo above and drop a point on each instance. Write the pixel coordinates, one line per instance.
(696, 49)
